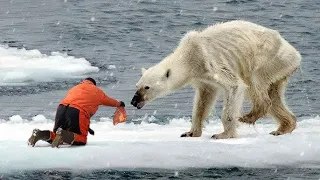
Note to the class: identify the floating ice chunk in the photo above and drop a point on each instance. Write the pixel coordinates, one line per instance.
(39, 119)
(112, 67)
(21, 66)
(16, 119)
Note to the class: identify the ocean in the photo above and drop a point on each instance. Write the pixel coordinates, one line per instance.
(46, 47)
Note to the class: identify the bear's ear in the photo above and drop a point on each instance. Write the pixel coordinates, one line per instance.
(143, 70)
(168, 73)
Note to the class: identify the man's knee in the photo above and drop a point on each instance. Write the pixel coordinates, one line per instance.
(79, 143)
(79, 139)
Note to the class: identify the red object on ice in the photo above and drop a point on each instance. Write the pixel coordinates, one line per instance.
(120, 115)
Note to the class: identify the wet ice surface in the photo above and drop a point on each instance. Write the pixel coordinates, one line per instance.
(153, 146)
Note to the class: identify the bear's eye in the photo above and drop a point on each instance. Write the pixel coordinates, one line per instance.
(168, 73)
(147, 87)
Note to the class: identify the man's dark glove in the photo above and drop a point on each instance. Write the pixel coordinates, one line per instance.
(122, 104)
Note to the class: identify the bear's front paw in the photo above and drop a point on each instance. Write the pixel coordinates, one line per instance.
(222, 136)
(191, 134)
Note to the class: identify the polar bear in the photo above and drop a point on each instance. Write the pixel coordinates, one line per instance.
(232, 58)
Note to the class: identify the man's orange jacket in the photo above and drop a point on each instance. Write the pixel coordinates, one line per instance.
(87, 97)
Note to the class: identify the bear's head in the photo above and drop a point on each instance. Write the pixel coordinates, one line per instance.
(154, 83)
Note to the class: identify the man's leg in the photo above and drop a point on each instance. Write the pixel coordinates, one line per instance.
(52, 137)
(47, 135)
(60, 118)
(79, 125)
(76, 132)
(62, 136)
(68, 137)
(84, 124)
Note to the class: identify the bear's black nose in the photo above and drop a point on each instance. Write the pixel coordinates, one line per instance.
(136, 99)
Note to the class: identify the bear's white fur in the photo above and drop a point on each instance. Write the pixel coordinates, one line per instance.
(232, 58)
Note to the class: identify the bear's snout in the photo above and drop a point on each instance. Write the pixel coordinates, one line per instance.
(137, 100)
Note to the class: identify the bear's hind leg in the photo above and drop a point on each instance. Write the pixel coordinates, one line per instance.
(260, 102)
(204, 99)
(232, 107)
(278, 110)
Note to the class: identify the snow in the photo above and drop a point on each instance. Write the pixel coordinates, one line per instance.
(18, 66)
(149, 145)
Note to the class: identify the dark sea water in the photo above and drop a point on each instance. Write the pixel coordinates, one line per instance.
(132, 34)
(210, 173)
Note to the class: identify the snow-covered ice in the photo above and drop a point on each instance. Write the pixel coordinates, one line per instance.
(149, 145)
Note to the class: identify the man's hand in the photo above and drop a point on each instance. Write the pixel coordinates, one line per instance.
(122, 104)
